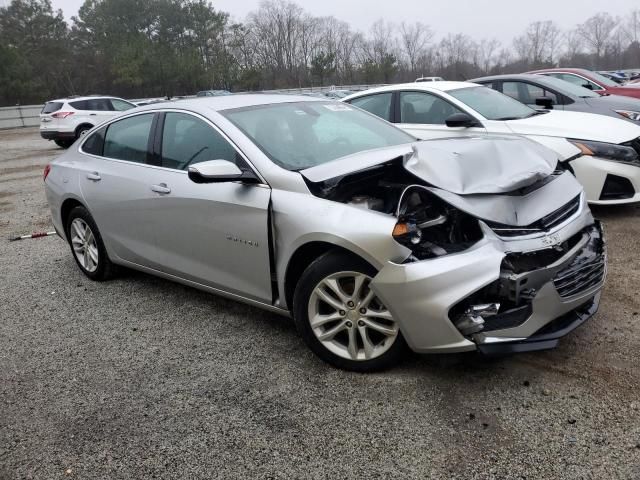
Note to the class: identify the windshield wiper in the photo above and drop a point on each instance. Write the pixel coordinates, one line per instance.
(504, 119)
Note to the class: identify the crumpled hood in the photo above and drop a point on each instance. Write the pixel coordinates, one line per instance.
(477, 165)
(465, 166)
(577, 125)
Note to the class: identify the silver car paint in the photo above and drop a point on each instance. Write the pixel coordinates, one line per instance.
(298, 218)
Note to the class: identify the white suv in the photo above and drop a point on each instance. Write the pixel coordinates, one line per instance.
(64, 120)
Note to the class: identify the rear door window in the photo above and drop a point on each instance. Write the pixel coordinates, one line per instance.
(378, 104)
(128, 139)
(79, 104)
(99, 104)
(51, 107)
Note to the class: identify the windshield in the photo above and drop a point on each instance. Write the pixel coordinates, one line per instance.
(603, 80)
(569, 88)
(300, 135)
(492, 105)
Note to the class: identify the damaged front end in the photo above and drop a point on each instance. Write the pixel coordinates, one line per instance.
(506, 268)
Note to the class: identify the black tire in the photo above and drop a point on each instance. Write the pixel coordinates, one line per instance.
(329, 264)
(63, 142)
(105, 268)
(81, 129)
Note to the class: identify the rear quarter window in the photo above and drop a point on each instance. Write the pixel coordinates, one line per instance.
(51, 107)
(95, 143)
(79, 105)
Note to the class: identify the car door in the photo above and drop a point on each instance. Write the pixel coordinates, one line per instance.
(114, 181)
(424, 115)
(216, 234)
(527, 93)
(99, 110)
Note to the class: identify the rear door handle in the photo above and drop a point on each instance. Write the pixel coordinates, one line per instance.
(92, 114)
(162, 188)
(94, 176)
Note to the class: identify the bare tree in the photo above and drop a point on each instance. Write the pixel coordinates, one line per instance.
(414, 39)
(596, 32)
(485, 54)
(539, 43)
(631, 26)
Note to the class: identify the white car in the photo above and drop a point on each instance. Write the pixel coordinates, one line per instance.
(65, 119)
(603, 152)
(430, 79)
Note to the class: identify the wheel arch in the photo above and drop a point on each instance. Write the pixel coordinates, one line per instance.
(81, 126)
(305, 255)
(65, 209)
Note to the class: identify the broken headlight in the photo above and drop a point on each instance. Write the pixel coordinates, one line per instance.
(430, 228)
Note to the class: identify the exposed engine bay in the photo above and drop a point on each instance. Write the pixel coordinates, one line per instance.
(427, 225)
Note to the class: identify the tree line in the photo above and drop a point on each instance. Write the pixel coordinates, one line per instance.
(147, 48)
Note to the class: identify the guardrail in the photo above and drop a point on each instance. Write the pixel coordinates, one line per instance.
(20, 116)
(28, 115)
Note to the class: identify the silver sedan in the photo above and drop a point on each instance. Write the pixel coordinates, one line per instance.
(370, 240)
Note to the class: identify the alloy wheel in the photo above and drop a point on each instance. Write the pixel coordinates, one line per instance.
(348, 319)
(84, 245)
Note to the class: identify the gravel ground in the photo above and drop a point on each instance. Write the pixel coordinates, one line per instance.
(143, 378)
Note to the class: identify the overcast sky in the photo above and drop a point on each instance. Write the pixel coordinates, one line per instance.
(501, 19)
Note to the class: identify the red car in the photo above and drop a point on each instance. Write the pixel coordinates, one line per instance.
(592, 80)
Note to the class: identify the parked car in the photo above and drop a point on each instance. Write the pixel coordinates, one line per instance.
(317, 210)
(66, 119)
(337, 94)
(616, 77)
(553, 93)
(591, 80)
(212, 93)
(430, 79)
(602, 151)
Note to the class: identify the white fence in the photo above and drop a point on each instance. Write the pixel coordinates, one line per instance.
(20, 116)
(27, 115)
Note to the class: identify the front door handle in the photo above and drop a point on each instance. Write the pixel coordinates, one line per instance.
(93, 114)
(162, 188)
(94, 176)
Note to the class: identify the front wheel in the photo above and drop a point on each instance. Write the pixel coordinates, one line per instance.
(340, 317)
(63, 142)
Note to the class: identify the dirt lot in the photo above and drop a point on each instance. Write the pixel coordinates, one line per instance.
(143, 378)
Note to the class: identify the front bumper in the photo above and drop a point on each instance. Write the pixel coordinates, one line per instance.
(422, 296)
(593, 172)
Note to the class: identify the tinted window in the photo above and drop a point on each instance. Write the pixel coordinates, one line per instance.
(98, 104)
(379, 104)
(51, 107)
(79, 104)
(127, 139)
(187, 140)
(95, 143)
(304, 134)
(576, 80)
(526, 92)
(420, 107)
(121, 105)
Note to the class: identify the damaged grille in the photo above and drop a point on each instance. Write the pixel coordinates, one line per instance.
(544, 224)
(585, 271)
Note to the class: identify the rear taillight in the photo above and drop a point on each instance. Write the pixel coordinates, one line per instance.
(47, 169)
(61, 114)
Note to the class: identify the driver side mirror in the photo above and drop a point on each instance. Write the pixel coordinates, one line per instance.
(545, 102)
(218, 171)
(460, 120)
(588, 85)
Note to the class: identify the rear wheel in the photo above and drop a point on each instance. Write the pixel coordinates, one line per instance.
(63, 142)
(340, 317)
(87, 246)
(82, 130)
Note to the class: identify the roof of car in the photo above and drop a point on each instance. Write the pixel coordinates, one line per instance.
(88, 97)
(514, 76)
(238, 100)
(441, 86)
(560, 69)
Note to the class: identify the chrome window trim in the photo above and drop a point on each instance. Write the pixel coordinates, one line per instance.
(263, 182)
